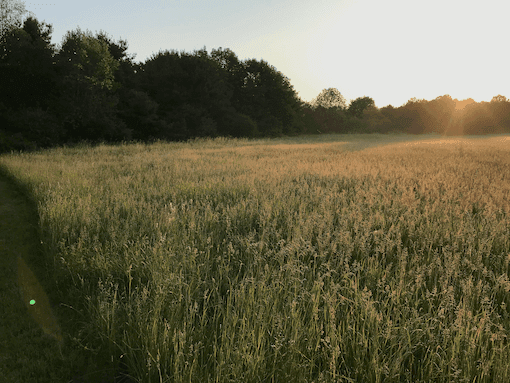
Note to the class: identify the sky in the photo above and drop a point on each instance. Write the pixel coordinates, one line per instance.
(391, 50)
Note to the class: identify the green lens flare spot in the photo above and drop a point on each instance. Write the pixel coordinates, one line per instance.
(32, 302)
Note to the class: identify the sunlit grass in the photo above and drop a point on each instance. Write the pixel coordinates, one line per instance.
(283, 260)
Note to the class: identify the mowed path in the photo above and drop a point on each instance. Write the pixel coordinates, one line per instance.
(32, 348)
(27, 353)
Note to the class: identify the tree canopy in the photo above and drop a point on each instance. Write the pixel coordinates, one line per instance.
(330, 98)
(11, 15)
(89, 88)
(359, 105)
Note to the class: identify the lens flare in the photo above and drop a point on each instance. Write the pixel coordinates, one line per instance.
(32, 292)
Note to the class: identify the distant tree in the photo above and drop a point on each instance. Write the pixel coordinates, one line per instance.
(388, 111)
(87, 103)
(308, 118)
(207, 95)
(192, 92)
(139, 113)
(28, 75)
(414, 117)
(441, 111)
(500, 110)
(268, 98)
(460, 105)
(358, 106)
(238, 125)
(499, 98)
(87, 60)
(125, 73)
(11, 15)
(329, 98)
(478, 119)
(328, 120)
(376, 120)
(28, 80)
(236, 76)
(230, 63)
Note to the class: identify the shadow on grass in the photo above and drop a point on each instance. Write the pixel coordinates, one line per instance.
(41, 337)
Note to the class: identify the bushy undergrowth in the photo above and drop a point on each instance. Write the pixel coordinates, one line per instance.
(271, 261)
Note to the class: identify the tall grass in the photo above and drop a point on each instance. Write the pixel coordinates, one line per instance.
(270, 261)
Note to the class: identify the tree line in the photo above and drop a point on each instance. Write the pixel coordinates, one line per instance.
(90, 89)
(442, 115)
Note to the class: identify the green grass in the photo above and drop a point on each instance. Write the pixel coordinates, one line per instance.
(300, 260)
(21, 341)
(31, 345)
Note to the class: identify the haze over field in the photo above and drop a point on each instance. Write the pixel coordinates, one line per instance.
(388, 50)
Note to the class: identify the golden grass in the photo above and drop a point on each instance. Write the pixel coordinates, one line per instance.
(284, 260)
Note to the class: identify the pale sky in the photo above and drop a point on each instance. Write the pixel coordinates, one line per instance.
(390, 50)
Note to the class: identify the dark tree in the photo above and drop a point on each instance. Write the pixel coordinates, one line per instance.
(413, 117)
(268, 98)
(441, 111)
(260, 92)
(500, 110)
(87, 103)
(191, 90)
(358, 106)
(28, 79)
(28, 74)
(329, 120)
(139, 112)
(478, 119)
(236, 74)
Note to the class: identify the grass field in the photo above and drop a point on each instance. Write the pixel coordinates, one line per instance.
(333, 258)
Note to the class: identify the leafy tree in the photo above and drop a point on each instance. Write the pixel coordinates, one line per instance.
(236, 74)
(139, 113)
(358, 106)
(200, 94)
(230, 63)
(329, 98)
(413, 117)
(268, 97)
(125, 73)
(478, 119)
(500, 110)
(329, 120)
(11, 15)
(87, 105)
(31, 128)
(240, 119)
(239, 125)
(136, 108)
(28, 81)
(376, 120)
(195, 93)
(309, 120)
(28, 75)
(499, 98)
(441, 111)
(87, 60)
(191, 90)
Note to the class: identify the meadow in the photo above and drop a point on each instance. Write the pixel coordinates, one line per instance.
(335, 258)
